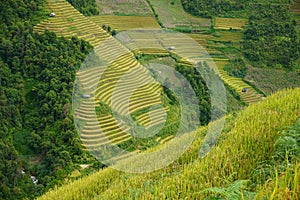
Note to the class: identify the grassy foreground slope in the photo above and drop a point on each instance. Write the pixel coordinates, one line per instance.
(246, 142)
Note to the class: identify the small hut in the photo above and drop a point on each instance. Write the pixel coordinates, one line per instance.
(171, 48)
(52, 14)
(86, 96)
(245, 90)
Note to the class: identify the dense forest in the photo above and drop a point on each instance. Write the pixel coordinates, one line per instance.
(204, 9)
(201, 91)
(271, 37)
(226, 8)
(37, 135)
(86, 7)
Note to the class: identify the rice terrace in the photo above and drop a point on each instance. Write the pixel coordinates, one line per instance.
(150, 99)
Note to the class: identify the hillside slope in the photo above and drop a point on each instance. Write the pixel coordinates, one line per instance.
(247, 142)
(116, 62)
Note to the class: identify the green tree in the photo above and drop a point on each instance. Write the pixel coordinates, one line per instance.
(108, 29)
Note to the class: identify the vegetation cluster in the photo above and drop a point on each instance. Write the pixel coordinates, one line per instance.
(270, 38)
(37, 72)
(86, 7)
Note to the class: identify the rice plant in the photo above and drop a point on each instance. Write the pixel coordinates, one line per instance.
(247, 142)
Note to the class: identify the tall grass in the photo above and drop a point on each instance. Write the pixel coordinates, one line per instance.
(283, 170)
(247, 142)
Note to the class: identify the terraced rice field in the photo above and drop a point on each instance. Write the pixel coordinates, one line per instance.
(250, 97)
(142, 41)
(121, 72)
(201, 38)
(226, 36)
(164, 140)
(229, 23)
(124, 7)
(127, 87)
(210, 42)
(152, 118)
(96, 131)
(185, 48)
(295, 6)
(172, 15)
(121, 23)
(69, 22)
(100, 131)
(223, 36)
(121, 83)
(203, 41)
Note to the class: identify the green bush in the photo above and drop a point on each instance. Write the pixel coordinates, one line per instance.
(86, 7)
(236, 67)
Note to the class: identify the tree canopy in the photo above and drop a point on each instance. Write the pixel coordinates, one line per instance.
(271, 37)
(37, 72)
(86, 7)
